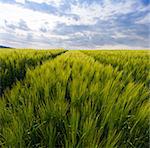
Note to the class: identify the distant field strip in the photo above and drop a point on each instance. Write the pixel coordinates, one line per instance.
(134, 64)
(13, 64)
(74, 101)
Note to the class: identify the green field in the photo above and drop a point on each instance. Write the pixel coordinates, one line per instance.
(74, 99)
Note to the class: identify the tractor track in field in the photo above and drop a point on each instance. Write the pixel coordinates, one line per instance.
(118, 69)
(52, 57)
(24, 71)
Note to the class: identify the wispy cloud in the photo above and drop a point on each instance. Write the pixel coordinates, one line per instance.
(75, 23)
(49, 2)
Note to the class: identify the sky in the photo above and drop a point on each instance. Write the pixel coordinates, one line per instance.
(75, 24)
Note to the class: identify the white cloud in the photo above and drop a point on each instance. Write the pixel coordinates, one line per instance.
(20, 1)
(49, 2)
(34, 19)
(119, 46)
(118, 35)
(144, 20)
(90, 13)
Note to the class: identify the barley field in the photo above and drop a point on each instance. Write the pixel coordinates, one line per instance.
(74, 99)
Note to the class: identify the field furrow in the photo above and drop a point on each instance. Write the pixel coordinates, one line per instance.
(13, 64)
(134, 64)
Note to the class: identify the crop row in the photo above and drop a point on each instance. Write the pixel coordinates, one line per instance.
(74, 101)
(134, 64)
(13, 64)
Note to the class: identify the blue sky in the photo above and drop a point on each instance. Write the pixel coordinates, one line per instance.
(75, 24)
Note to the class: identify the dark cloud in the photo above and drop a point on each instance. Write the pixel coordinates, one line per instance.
(21, 25)
(43, 29)
(42, 7)
(63, 29)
